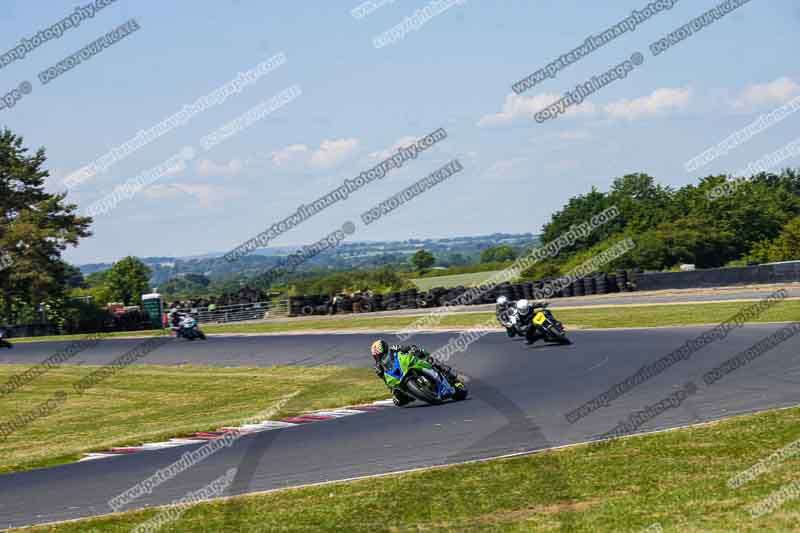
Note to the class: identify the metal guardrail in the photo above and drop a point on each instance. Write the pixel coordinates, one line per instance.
(239, 312)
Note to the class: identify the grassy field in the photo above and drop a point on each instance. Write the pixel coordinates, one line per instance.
(589, 317)
(678, 480)
(152, 403)
(467, 280)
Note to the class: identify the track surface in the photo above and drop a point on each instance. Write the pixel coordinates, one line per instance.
(519, 395)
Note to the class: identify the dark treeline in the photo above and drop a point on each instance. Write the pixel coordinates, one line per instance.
(758, 222)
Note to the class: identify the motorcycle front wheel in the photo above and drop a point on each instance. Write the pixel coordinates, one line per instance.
(558, 335)
(423, 388)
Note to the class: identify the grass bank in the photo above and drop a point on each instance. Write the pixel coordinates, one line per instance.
(153, 403)
(678, 480)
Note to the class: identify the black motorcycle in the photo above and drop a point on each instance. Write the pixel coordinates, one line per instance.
(505, 317)
(189, 329)
(539, 323)
(3, 342)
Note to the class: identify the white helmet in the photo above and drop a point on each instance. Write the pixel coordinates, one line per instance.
(502, 300)
(523, 305)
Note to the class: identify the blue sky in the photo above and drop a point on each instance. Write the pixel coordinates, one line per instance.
(358, 102)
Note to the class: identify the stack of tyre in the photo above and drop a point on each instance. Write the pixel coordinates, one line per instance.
(596, 283)
(369, 304)
(344, 304)
(433, 298)
(302, 305)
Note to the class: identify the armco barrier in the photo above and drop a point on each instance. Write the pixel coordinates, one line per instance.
(238, 312)
(719, 277)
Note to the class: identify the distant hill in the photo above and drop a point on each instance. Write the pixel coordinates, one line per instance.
(348, 255)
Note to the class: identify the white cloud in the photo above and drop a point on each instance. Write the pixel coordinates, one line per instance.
(301, 157)
(206, 167)
(771, 93)
(204, 194)
(179, 168)
(657, 103)
(294, 155)
(380, 155)
(332, 153)
(517, 107)
(161, 191)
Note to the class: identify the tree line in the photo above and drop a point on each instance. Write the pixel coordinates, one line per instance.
(759, 221)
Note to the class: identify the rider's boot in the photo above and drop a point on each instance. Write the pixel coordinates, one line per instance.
(448, 373)
(399, 398)
(532, 336)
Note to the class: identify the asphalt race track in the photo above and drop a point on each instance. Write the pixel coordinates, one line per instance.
(519, 395)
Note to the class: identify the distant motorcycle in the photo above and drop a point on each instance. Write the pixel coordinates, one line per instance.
(540, 324)
(188, 329)
(3, 342)
(506, 319)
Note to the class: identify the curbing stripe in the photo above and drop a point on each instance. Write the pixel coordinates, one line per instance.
(202, 437)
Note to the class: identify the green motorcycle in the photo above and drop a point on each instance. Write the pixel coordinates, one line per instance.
(419, 379)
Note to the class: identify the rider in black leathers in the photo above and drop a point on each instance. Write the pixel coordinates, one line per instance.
(3, 342)
(525, 310)
(175, 318)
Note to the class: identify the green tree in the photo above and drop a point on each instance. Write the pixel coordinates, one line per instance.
(128, 280)
(422, 260)
(498, 254)
(100, 294)
(35, 228)
(96, 279)
(786, 247)
(73, 277)
(457, 259)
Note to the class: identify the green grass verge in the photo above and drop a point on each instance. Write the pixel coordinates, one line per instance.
(673, 315)
(152, 403)
(593, 317)
(676, 479)
(77, 336)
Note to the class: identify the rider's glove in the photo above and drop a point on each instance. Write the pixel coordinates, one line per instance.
(379, 371)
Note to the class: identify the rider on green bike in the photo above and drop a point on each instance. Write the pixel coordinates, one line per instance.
(384, 355)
